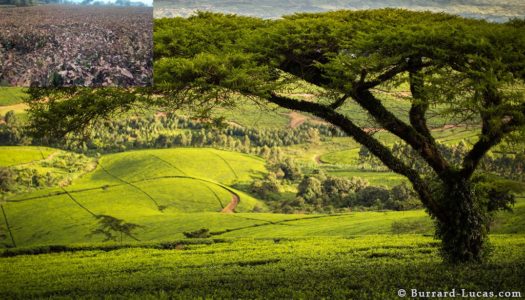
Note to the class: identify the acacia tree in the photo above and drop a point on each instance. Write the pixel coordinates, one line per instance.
(472, 68)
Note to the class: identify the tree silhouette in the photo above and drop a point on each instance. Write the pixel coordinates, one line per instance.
(114, 229)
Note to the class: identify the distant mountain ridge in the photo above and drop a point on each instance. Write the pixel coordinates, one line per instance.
(497, 10)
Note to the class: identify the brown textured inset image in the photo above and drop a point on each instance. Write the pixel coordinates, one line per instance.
(75, 45)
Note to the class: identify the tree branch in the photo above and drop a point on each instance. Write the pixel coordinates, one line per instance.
(398, 69)
(373, 145)
(393, 72)
(407, 133)
(339, 101)
(419, 101)
(491, 133)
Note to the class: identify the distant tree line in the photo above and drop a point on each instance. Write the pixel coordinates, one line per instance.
(176, 131)
(170, 130)
(318, 192)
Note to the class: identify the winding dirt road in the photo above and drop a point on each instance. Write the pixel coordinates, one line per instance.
(229, 209)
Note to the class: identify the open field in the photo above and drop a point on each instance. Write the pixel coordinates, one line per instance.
(61, 45)
(168, 192)
(360, 267)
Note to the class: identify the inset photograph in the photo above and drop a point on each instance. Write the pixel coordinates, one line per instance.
(75, 43)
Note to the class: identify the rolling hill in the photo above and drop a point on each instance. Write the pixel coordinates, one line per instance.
(157, 189)
(172, 191)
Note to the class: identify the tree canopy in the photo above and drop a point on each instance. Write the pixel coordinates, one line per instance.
(473, 68)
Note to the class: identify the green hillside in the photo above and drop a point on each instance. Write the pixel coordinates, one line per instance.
(156, 189)
(11, 156)
(168, 192)
(171, 191)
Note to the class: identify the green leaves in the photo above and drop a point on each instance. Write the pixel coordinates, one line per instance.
(53, 113)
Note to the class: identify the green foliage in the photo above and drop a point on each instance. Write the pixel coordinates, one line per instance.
(201, 33)
(198, 234)
(53, 119)
(11, 132)
(507, 165)
(6, 179)
(322, 193)
(497, 193)
(38, 168)
(267, 188)
(286, 169)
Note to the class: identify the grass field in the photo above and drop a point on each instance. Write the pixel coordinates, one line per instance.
(62, 221)
(11, 95)
(66, 219)
(361, 267)
(249, 115)
(10, 156)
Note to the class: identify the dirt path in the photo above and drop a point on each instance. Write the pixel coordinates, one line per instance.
(296, 119)
(229, 209)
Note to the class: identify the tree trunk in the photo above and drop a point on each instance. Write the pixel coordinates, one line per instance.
(463, 224)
